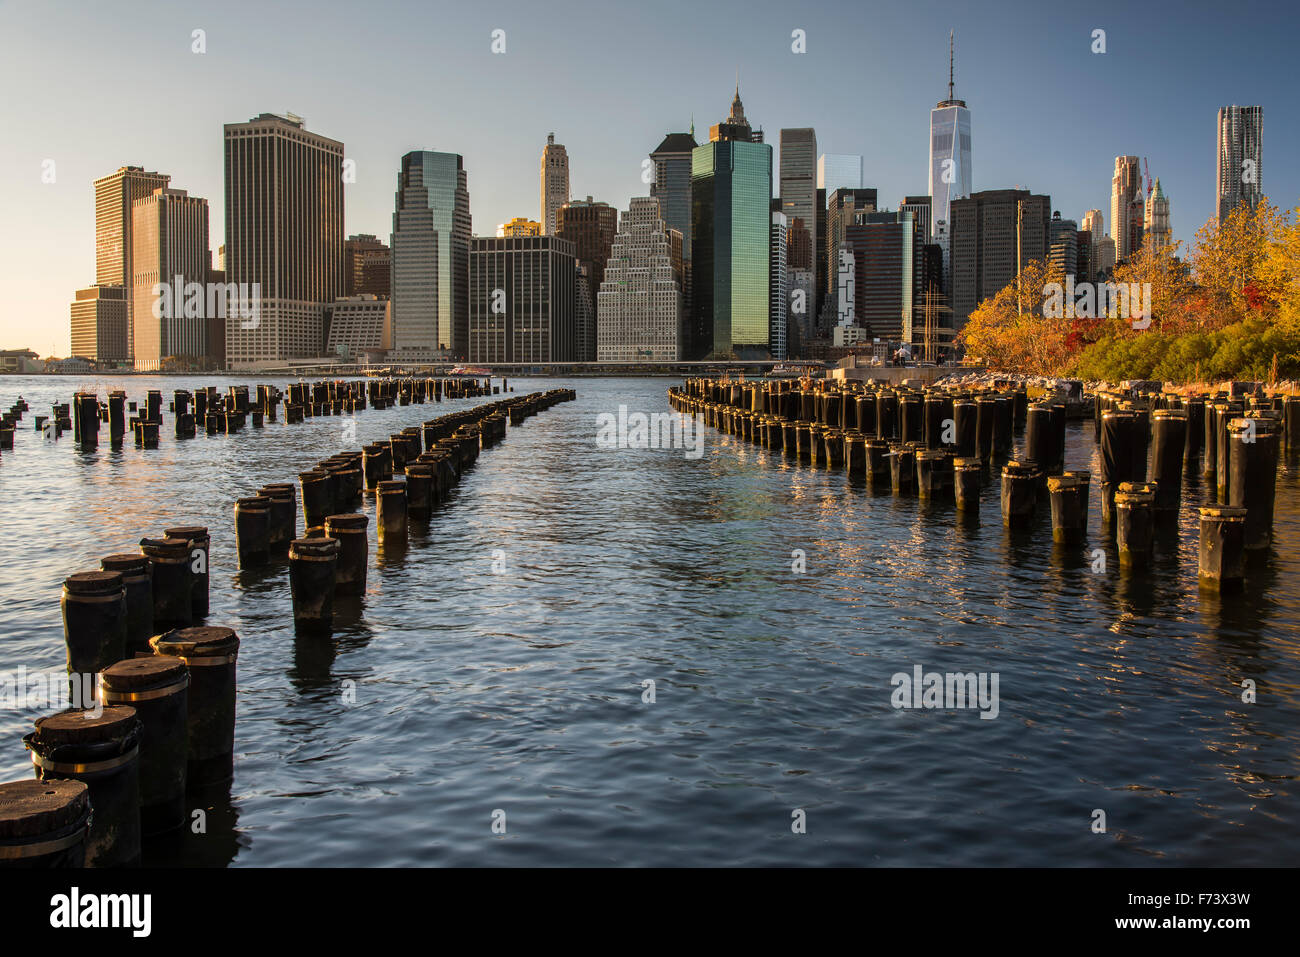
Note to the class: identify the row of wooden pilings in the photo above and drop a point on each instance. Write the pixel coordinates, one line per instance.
(207, 410)
(943, 445)
(9, 421)
(115, 770)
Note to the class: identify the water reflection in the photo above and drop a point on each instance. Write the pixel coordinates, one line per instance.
(473, 689)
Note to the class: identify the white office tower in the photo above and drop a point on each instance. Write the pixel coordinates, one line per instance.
(950, 175)
(639, 306)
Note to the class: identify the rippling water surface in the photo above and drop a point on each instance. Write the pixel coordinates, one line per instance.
(522, 692)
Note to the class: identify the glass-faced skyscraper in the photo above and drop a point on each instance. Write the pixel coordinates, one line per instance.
(430, 256)
(672, 187)
(731, 221)
(949, 162)
(839, 171)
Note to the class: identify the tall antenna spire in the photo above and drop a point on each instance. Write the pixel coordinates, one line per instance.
(950, 36)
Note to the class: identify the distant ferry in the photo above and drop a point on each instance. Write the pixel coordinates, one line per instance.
(470, 370)
(791, 371)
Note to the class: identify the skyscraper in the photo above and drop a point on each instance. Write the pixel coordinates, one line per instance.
(984, 251)
(1103, 260)
(778, 295)
(843, 206)
(731, 192)
(839, 171)
(591, 227)
(522, 300)
(919, 207)
(1093, 223)
(1063, 244)
(99, 325)
(639, 306)
(1125, 195)
(672, 183)
(114, 195)
(885, 256)
(169, 245)
(799, 185)
(555, 182)
(1084, 255)
(672, 187)
(1241, 160)
(284, 232)
(368, 266)
(950, 161)
(431, 241)
(1156, 227)
(584, 314)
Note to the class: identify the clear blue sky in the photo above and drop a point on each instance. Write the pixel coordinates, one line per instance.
(95, 86)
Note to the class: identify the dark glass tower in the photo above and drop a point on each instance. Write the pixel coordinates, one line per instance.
(430, 256)
(731, 200)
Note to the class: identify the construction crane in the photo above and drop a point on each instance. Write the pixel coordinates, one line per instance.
(1147, 170)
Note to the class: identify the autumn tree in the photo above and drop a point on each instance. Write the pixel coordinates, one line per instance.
(1229, 260)
(1012, 330)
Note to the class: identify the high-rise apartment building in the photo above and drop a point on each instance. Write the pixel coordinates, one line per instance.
(985, 255)
(555, 182)
(284, 233)
(1085, 255)
(778, 285)
(639, 306)
(169, 245)
(731, 193)
(368, 266)
(950, 161)
(799, 186)
(1156, 228)
(522, 302)
(1240, 157)
(114, 195)
(431, 245)
(1063, 244)
(1125, 206)
(1093, 223)
(1103, 257)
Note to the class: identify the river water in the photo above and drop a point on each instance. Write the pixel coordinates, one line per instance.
(496, 671)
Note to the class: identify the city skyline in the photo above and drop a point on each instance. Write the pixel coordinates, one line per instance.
(500, 121)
